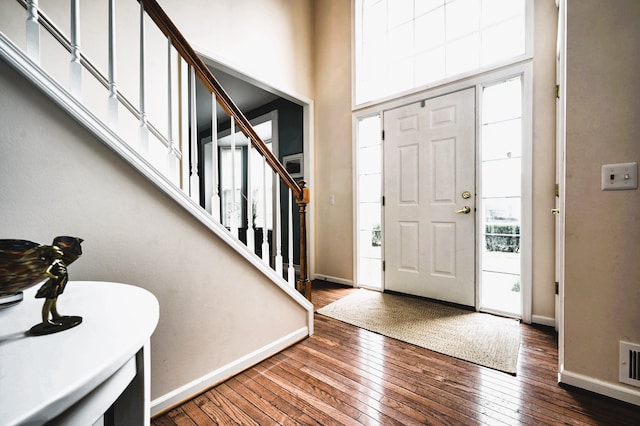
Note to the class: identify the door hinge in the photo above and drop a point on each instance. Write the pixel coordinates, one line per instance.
(557, 91)
(383, 201)
(557, 189)
(384, 265)
(557, 287)
(383, 135)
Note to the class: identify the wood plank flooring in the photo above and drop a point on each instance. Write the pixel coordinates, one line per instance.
(344, 375)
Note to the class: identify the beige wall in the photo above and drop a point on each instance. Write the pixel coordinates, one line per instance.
(334, 174)
(270, 40)
(333, 152)
(57, 179)
(602, 281)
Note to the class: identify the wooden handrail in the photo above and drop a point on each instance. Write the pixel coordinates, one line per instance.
(168, 28)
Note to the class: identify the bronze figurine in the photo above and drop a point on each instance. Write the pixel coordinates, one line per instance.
(24, 264)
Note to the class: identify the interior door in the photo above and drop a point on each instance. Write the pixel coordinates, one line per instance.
(429, 168)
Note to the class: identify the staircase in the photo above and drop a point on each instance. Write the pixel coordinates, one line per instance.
(148, 118)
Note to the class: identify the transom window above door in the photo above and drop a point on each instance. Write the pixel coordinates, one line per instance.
(406, 44)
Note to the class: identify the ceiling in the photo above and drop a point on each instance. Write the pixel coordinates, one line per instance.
(245, 95)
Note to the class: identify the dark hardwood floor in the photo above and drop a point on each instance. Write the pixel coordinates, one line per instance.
(346, 375)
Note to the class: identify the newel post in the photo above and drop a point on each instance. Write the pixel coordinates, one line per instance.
(303, 285)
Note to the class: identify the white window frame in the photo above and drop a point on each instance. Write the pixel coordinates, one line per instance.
(529, 30)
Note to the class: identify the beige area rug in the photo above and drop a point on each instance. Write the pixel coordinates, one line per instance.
(483, 339)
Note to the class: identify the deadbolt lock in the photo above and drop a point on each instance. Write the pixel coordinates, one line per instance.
(466, 194)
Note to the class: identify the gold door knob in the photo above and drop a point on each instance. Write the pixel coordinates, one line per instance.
(465, 210)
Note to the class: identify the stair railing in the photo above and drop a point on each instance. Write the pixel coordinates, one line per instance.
(161, 142)
(299, 191)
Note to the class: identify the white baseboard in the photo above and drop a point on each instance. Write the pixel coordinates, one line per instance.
(612, 390)
(538, 319)
(336, 280)
(189, 390)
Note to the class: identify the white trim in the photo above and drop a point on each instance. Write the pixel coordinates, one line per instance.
(335, 280)
(25, 66)
(526, 225)
(355, 200)
(561, 109)
(542, 320)
(189, 390)
(484, 77)
(612, 390)
(308, 111)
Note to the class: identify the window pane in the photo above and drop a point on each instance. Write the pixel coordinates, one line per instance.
(502, 101)
(501, 292)
(400, 76)
(494, 11)
(504, 40)
(370, 160)
(424, 6)
(370, 188)
(502, 140)
(462, 55)
(370, 216)
(430, 30)
(462, 18)
(501, 178)
(369, 241)
(400, 43)
(370, 272)
(369, 245)
(369, 131)
(430, 66)
(403, 44)
(503, 210)
(400, 12)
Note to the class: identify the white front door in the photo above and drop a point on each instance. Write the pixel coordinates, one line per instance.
(429, 186)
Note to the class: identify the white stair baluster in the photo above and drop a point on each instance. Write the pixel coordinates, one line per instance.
(277, 226)
(143, 148)
(234, 201)
(265, 230)
(250, 201)
(184, 129)
(194, 180)
(75, 70)
(113, 88)
(291, 273)
(215, 197)
(171, 157)
(33, 31)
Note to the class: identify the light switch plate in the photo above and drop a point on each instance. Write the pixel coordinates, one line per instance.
(621, 176)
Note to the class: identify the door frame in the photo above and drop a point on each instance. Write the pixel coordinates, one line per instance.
(524, 69)
(561, 108)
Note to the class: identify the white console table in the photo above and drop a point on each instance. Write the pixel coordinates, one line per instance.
(97, 372)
